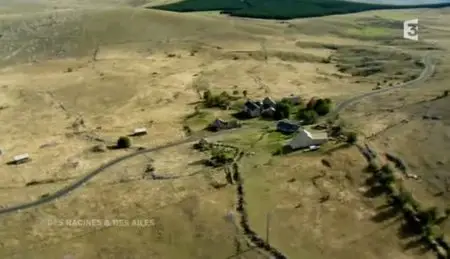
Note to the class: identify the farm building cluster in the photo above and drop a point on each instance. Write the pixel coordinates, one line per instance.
(267, 107)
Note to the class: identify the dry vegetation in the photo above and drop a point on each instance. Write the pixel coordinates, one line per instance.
(74, 79)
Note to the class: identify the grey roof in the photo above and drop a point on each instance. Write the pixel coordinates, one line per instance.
(251, 105)
(287, 125)
(268, 100)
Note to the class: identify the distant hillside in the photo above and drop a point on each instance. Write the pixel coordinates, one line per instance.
(283, 9)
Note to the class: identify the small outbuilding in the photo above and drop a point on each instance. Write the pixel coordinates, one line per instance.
(268, 113)
(219, 124)
(21, 159)
(287, 126)
(139, 132)
(252, 109)
(268, 103)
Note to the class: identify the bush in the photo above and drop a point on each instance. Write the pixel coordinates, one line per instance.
(322, 106)
(207, 95)
(386, 180)
(124, 142)
(308, 116)
(373, 166)
(312, 103)
(446, 93)
(352, 137)
(221, 156)
(282, 111)
(387, 169)
(222, 100)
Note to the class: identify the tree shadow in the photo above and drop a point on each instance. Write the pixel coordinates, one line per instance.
(383, 207)
(371, 181)
(417, 244)
(284, 150)
(338, 147)
(374, 191)
(113, 147)
(241, 115)
(199, 162)
(385, 215)
(406, 230)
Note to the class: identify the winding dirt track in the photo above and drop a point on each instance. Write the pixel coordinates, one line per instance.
(426, 73)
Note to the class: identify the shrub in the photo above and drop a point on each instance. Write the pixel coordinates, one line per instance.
(282, 111)
(429, 216)
(373, 166)
(352, 137)
(446, 93)
(386, 179)
(207, 95)
(244, 93)
(322, 106)
(308, 116)
(312, 103)
(221, 156)
(387, 169)
(124, 142)
(222, 100)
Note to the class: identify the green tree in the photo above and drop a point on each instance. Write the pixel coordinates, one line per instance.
(282, 111)
(322, 106)
(207, 95)
(123, 142)
(312, 103)
(352, 137)
(308, 116)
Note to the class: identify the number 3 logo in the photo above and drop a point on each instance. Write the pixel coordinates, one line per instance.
(413, 30)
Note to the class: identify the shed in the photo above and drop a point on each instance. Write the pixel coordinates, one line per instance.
(22, 158)
(268, 113)
(287, 126)
(268, 102)
(305, 139)
(252, 109)
(139, 132)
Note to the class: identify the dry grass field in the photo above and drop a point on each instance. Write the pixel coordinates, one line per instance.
(73, 74)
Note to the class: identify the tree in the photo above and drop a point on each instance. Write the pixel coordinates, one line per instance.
(124, 142)
(387, 169)
(322, 106)
(308, 116)
(352, 137)
(386, 179)
(207, 95)
(446, 93)
(312, 103)
(373, 166)
(244, 93)
(282, 111)
(222, 100)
